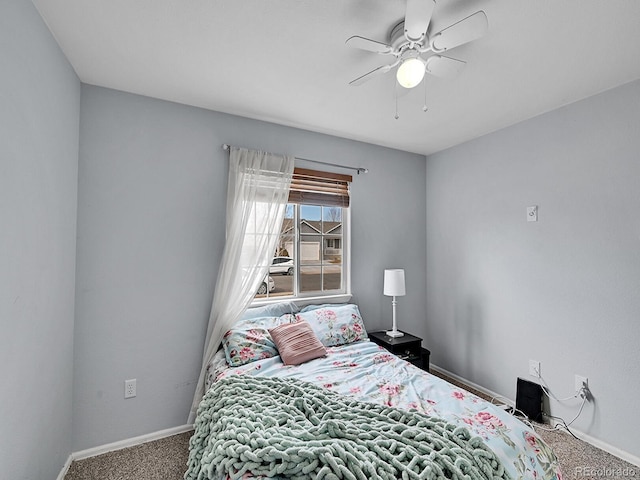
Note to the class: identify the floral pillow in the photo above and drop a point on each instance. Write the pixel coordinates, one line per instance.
(249, 340)
(334, 325)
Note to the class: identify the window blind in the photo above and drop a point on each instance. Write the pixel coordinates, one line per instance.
(319, 188)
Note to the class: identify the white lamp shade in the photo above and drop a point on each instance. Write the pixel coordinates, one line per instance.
(411, 72)
(394, 282)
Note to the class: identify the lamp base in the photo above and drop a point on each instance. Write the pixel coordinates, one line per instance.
(394, 333)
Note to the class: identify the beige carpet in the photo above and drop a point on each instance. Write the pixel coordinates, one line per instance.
(578, 459)
(166, 459)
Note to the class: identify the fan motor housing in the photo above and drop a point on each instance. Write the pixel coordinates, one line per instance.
(399, 42)
(396, 37)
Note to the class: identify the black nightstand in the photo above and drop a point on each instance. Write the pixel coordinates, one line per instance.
(408, 347)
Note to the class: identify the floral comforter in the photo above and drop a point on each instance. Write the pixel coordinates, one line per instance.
(368, 372)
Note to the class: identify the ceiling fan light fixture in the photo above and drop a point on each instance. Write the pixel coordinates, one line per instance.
(411, 72)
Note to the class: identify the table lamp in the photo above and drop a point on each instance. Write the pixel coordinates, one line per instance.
(394, 287)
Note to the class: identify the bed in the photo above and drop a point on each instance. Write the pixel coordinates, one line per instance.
(374, 416)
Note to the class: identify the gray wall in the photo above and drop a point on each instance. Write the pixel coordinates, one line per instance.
(564, 290)
(39, 114)
(151, 215)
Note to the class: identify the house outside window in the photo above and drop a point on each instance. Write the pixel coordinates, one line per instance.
(309, 260)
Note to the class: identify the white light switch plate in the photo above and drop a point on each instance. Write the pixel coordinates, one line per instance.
(532, 213)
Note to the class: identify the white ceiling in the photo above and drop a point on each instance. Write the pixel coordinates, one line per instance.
(285, 61)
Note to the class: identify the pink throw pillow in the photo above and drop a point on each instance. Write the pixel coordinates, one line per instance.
(297, 343)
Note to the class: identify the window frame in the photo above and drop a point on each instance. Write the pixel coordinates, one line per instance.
(325, 189)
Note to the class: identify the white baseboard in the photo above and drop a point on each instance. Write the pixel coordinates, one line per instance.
(65, 467)
(626, 456)
(615, 451)
(475, 386)
(130, 442)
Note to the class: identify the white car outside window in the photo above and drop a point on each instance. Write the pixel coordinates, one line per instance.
(282, 265)
(267, 285)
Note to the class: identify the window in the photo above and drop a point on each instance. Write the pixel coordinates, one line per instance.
(333, 243)
(310, 259)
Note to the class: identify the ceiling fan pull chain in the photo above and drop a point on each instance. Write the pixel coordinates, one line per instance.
(395, 89)
(424, 107)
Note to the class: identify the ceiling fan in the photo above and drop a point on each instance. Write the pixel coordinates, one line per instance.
(415, 51)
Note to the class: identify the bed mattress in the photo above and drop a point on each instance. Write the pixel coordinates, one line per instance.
(365, 371)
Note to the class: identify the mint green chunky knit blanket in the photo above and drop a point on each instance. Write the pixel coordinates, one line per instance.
(288, 428)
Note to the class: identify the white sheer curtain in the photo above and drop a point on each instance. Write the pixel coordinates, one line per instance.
(256, 201)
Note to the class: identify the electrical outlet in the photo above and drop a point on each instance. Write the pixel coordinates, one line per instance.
(581, 381)
(534, 368)
(130, 388)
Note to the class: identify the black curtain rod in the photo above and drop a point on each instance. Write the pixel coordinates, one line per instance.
(359, 170)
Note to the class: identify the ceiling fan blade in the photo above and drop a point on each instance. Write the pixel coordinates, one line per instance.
(464, 31)
(368, 76)
(368, 45)
(444, 67)
(417, 18)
